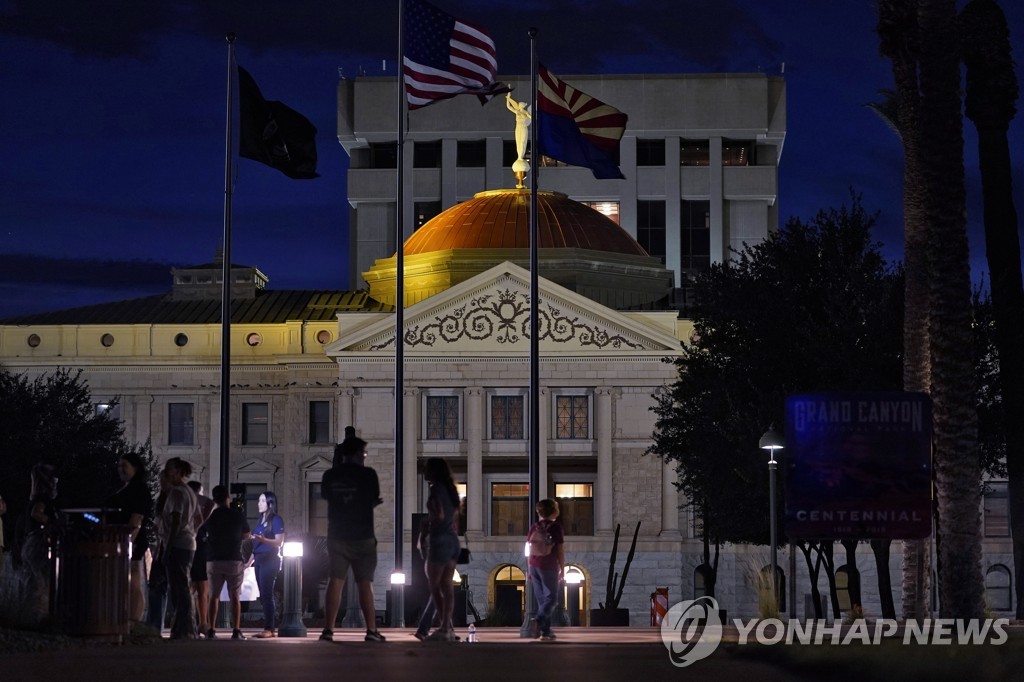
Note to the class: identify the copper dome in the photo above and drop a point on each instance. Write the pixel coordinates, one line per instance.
(500, 219)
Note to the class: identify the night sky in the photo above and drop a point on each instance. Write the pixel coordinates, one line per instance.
(114, 163)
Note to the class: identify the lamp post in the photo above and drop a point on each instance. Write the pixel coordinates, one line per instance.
(397, 599)
(573, 578)
(291, 624)
(772, 441)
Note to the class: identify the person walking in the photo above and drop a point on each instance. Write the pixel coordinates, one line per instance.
(268, 537)
(197, 574)
(442, 549)
(40, 526)
(177, 535)
(546, 564)
(225, 529)
(352, 490)
(134, 503)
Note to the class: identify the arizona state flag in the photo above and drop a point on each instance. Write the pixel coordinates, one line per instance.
(576, 128)
(273, 133)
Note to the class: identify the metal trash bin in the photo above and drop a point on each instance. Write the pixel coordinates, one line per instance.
(91, 567)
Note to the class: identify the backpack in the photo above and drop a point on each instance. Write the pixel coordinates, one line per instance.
(541, 542)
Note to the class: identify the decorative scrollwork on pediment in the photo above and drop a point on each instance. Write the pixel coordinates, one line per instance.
(505, 318)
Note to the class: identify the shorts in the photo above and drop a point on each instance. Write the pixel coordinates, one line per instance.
(361, 555)
(443, 549)
(228, 573)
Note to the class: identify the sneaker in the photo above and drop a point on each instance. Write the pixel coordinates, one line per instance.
(211, 634)
(374, 637)
(327, 635)
(438, 635)
(237, 634)
(419, 635)
(548, 637)
(266, 634)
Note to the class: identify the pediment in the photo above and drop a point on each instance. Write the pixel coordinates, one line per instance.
(491, 313)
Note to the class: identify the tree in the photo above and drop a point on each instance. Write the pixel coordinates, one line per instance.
(52, 419)
(991, 103)
(815, 307)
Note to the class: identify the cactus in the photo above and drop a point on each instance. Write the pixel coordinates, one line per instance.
(613, 595)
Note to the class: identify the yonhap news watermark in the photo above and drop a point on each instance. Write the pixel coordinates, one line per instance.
(692, 630)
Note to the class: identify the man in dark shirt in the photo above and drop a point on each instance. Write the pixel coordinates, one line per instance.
(226, 528)
(352, 491)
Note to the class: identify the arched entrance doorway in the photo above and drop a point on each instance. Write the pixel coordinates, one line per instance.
(574, 596)
(509, 596)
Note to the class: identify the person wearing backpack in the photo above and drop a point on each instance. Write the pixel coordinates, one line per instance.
(546, 564)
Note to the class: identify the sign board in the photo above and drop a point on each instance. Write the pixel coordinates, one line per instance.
(858, 465)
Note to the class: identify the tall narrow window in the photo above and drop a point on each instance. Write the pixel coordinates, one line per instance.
(695, 236)
(442, 417)
(572, 415)
(650, 227)
(319, 421)
(695, 153)
(180, 424)
(510, 514)
(507, 417)
(426, 154)
(576, 507)
(383, 155)
(609, 209)
(650, 152)
(255, 423)
(997, 588)
(317, 512)
(738, 153)
(471, 153)
(997, 510)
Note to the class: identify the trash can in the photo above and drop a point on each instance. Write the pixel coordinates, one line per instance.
(91, 567)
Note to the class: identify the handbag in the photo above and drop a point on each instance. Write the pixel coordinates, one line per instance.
(465, 556)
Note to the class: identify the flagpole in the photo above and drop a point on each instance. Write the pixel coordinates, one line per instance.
(225, 292)
(534, 456)
(398, 588)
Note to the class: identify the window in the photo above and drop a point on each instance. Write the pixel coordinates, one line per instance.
(111, 409)
(425, 210)
(383, 155)
(317, 512)
(695, 236)
(319, 421)
(695, 153)
(181, 340)
(650, 152)
(650, 227)
(576, 507)
(426, 154)
(572, 416)
(737, 153)
(471, 153)
(509, 153)
(847, 587)
(253, 339)
(997, 588)
(997, 511)
(609, 209)
(510, 513)
(442, 417)
(507, 417)
(252, 502)
(107, 340)
(255, 423)
(703, 576)
(181, 424)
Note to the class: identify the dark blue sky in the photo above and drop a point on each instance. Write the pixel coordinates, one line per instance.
(115, 116)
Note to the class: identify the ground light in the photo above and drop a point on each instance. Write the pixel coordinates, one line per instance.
(291, 623)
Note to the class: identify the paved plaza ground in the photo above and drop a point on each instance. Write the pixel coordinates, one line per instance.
(630, 654)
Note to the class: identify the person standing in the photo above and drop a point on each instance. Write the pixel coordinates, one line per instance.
(225, 529)
(352, 490)
(40, 524)
(3, 510)
(177, 535)
(135, 504)
(442, 548)
(197, 574)
(268, 537)
(546, 564)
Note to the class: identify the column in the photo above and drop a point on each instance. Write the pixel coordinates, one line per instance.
(719, 245)
(346, 398)
(475, 463)
(545, 431)
(604, 494)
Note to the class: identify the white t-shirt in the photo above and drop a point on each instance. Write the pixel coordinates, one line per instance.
(181, 499)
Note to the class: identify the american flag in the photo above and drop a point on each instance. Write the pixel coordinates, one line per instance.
(445, 57)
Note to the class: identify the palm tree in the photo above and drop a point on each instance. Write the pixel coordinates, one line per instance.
(898, 32)
(957, 465)
(991, 104)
